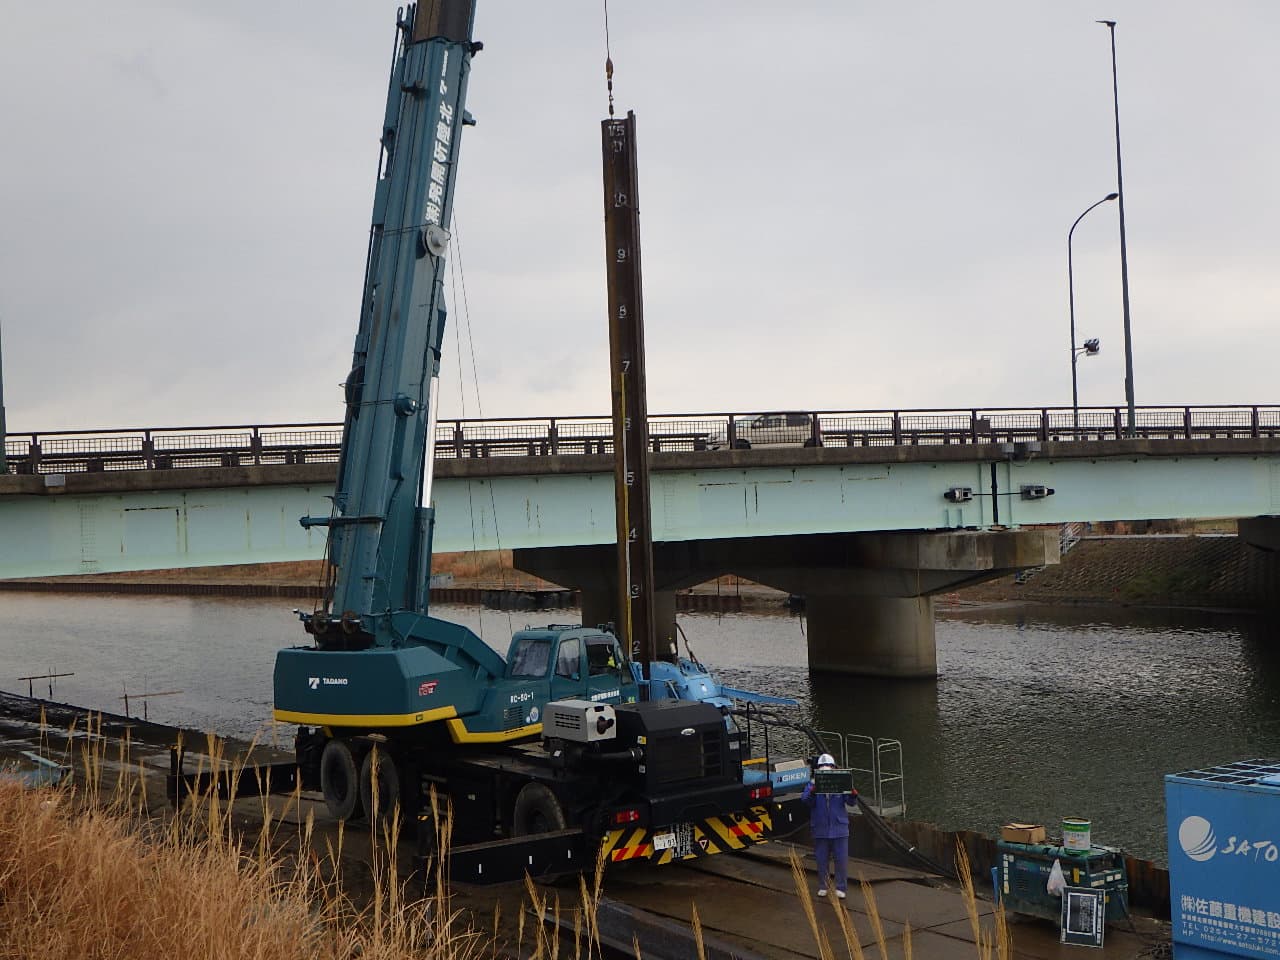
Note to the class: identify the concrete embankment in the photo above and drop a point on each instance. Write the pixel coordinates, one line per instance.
(1219, 572)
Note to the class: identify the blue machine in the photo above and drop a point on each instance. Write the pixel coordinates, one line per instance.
(1224, 860)
(686, 679)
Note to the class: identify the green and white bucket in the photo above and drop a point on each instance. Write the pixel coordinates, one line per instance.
(1075, 833)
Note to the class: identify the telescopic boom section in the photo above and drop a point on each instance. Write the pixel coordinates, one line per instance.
(380, 529)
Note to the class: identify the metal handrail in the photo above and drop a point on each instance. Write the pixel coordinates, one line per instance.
(895, 776)
(833, 743)
(159, 448)
(862, 745)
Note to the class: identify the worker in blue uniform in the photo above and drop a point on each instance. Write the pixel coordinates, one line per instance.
(829, 823)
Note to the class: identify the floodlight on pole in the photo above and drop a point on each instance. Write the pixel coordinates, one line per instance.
(1071, 310)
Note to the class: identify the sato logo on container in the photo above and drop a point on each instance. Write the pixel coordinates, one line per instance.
(1199, 841)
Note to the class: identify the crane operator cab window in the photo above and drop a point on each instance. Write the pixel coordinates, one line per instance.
(531, 658)
(608, 675)
(604, 659)
(569, 659)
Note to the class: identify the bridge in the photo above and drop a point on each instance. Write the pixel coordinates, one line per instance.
(869, 514)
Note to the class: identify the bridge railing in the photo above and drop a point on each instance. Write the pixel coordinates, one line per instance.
(164, 448)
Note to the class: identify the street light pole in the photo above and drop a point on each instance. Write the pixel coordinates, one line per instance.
(1124, 257)
(4, 460)
(1071, 307)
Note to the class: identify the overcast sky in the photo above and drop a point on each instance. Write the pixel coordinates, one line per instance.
(844, 205)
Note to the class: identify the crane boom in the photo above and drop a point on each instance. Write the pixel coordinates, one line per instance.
(380, 530)
(379, 660)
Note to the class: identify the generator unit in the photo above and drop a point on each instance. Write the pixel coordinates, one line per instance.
(1024, 873)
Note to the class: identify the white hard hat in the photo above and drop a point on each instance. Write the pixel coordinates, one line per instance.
(826, 760)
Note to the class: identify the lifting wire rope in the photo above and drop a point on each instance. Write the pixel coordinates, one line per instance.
(608, 59)
(458, 281)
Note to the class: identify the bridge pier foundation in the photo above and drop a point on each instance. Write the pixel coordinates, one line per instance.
(871, 636)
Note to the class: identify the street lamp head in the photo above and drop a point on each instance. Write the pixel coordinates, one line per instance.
(1109, 23)
(1111, 196)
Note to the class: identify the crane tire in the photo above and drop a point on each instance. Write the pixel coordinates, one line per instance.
(536, 811)
(387, 783)
(340, 780)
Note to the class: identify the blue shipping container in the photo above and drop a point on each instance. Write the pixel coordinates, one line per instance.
(1224, 860)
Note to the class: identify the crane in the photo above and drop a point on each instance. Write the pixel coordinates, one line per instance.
(392, 702)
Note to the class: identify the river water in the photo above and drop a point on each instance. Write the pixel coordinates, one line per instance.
(1038, 712)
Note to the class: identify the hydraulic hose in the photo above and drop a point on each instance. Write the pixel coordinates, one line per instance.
(618, 756)
(899, 843)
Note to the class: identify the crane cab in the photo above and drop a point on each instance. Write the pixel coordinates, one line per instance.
(562, 662)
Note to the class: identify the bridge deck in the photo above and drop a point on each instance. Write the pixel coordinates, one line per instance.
(105, 517)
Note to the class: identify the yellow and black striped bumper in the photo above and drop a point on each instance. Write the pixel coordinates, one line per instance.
(693, 840)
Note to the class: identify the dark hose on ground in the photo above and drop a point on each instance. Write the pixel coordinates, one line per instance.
(899, 843)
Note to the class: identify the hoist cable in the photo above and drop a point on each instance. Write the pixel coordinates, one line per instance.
(608, 58)
(460, 282)
(462, 399)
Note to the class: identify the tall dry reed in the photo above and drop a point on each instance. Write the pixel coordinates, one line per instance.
(85, 872)
(88, 872)
(987, 942)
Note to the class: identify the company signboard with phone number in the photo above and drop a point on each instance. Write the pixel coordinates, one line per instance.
(1224, 860)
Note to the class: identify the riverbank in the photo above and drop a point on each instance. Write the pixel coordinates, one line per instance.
(1162, 570)
(1214, 571)
(112, 871)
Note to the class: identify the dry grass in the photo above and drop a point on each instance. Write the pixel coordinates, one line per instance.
(83, 884)
(87, 872)
(993, 944)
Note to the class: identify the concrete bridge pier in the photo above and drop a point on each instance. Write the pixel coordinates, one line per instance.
(871, 636)
(869, 596)
(599, 605)
(590, 570)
